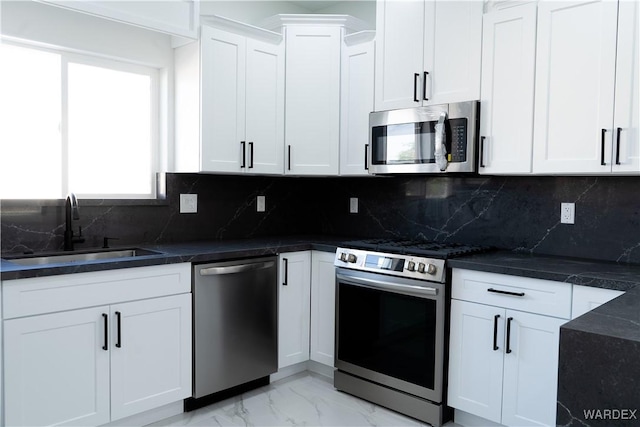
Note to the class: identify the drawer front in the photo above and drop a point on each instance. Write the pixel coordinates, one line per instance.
(514, 292)
(38, 295)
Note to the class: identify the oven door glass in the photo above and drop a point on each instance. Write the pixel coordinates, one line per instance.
(388, 333)
(414, 143)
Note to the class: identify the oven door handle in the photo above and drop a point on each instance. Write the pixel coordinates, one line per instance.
(418, 291)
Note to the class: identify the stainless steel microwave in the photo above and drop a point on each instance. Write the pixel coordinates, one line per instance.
(432, 139)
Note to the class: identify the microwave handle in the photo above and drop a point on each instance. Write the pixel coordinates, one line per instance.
(440, 151)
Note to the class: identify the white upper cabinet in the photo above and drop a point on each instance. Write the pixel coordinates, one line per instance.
(175, 17)
(312, 128)
(574, 130)
(230, 101)
(626, 134)
(427, 52)
(356, 101)
(508, 73)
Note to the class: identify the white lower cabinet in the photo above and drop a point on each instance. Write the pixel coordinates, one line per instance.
(323, 307)
(503, 362)
(294, 293)
(306, 309)
(90, 366)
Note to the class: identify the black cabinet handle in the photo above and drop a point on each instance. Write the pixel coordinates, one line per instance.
(482, 138)
(495, 332)
(289, 157)
(105, 317)
(602, 135)
(119, 326)
(244, 155)
(424, 86)
(250, 155)
(416, 76)
(509, 335)
(498, 291)
(285, 282)
(366, 157)
(618, 146)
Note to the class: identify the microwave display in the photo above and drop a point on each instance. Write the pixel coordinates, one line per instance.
(414, 143)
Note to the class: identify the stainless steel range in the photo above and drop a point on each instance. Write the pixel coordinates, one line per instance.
(392, 310)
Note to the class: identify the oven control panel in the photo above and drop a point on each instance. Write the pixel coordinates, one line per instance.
(415, 267)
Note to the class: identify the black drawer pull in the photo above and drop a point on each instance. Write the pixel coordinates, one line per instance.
(618, 146)
(250, 155)
(495, 332)
(416, 76)
(244, 154)
(498, 291)
(285, 281)
(602, 136)
(482, 138)
(509, 335)
(424, 86)
(366, 157)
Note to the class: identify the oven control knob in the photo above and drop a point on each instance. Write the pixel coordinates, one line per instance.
(411, 266)
(343, 256)
(431, 269)
(351, 258)
(421, 267)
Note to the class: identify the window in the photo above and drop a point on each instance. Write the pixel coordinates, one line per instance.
(76, 123)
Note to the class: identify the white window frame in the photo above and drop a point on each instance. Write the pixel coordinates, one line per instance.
(112, 64)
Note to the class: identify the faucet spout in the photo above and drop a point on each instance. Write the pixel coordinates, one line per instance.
(71, 213)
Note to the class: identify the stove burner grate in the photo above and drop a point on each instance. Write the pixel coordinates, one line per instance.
(441, 250)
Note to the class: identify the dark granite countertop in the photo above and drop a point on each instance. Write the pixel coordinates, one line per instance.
(205, 251)
(584, 272)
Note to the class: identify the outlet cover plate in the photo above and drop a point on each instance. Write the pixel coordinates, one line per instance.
(353, 205)
(261, 203)
(567, 213)
(188, 203)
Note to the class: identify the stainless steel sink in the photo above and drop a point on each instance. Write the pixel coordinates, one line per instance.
(57, 258)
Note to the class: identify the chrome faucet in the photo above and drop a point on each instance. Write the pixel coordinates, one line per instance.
(71, 212)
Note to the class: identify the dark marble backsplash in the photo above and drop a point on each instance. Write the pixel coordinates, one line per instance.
(517, 213)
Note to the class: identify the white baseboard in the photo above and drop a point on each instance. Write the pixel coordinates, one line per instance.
(309, 365)
(466, 419)
(150, 416)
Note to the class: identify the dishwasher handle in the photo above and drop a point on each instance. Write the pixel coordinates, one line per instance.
(232, 269)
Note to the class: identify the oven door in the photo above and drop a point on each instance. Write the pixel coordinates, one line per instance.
(390, 330)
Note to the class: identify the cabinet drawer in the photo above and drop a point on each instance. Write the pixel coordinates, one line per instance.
(38, 295)
(514, 292)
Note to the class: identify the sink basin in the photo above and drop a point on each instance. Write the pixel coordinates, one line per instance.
(58, 258)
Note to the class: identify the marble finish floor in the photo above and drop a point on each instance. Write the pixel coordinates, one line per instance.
(305, 399)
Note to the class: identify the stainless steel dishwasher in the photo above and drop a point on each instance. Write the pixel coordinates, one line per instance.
(235, 323)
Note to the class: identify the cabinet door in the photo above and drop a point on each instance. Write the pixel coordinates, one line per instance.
(575, 74)
(294, 277)
(222, 116)
(626, 126)
(56, 363)
(586, 298)
(355, 106)
(452, 50)
(399, 54)
(531, 369)
(264, 107)
(475, 365)
(312, 128)
(323, 307)
(508, 70)
(150, 354)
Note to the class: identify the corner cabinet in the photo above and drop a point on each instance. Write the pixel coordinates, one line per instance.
(323, 307)
(128, 352)
(358, 53)
(508, 74)
(230, 90)
(586, 114)
(504, 342)
(427, 52)
(174, 17)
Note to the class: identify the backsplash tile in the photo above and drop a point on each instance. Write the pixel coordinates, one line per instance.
(517, 213)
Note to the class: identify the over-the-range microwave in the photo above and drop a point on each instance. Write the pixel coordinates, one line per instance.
(432, 139)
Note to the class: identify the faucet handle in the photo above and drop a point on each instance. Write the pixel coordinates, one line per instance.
(105, 241)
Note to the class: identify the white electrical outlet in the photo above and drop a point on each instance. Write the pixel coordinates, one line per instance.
(567, 213)
(353, 205)
(188, 203)
(260, 203)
